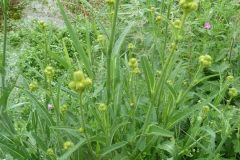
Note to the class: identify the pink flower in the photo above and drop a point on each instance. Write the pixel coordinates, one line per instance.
(50, 107)
(207, 25)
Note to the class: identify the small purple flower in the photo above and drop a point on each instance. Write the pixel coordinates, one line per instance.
(207, 25)
(50, 107)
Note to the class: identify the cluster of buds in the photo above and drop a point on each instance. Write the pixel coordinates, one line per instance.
(205, 109)
(233, 92)
(49, 72)
(205, 60)
(33, 86)
(131, 46)
(110, 2)
(50, 152)
(188, 5)
(42, 25)
(102, 107)
(64, 109)
(177, 24)
(133, 64)
(230, 78)
(79, 82)
(67, 145)
(100, 38)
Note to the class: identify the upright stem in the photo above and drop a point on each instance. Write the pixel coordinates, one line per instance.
(84, 125)
(109, 54)
(4, 6)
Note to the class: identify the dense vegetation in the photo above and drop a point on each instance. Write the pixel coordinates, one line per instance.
(123, 80)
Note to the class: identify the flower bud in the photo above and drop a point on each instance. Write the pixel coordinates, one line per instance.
(131, 46)
(64, 108)
(233, 92)
(33, 86)
(87, 82)
(49, 72)
(110, 2)
(102, 107)
(80, 87)
(159, 19)
(133, 63)
(188, 5)
(230, 78)
(206, 109)
(78, 76)
(205, 60)
(177, 24)
(81, 130)
(50, 152)
(67, 145)
(42, 25)
(100, 38)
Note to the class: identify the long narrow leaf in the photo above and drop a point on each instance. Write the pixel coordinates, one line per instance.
(77, 44)
(148, 75)
(112, 148)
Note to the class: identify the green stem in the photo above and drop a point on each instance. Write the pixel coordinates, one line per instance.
(4, 6)
(109, 54)
(192, 84)
(84, 125)
(166, 33)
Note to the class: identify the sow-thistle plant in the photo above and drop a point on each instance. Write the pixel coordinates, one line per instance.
(79, 82)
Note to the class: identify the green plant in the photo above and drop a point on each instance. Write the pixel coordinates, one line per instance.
(133, 80)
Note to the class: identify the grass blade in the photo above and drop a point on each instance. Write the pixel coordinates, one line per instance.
(76, 42)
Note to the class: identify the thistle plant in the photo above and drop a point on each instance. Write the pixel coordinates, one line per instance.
(131, 80)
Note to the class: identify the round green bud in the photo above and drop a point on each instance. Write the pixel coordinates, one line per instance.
(72, 85)
(67, 145)
(33, 86)
(205, 60)
(78, 76)
(102, 107)
(233, 92)
(50, 152)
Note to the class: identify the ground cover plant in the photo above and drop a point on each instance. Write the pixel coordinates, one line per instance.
(123, 80)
